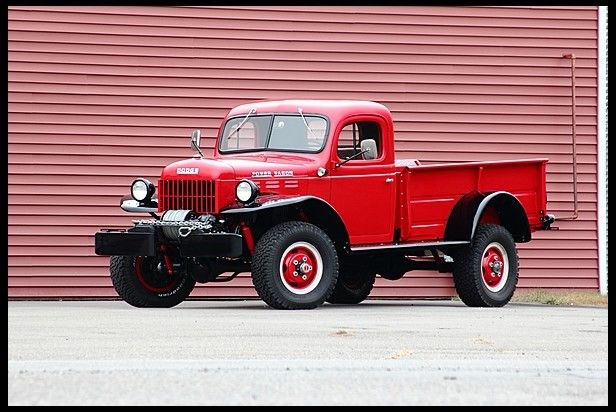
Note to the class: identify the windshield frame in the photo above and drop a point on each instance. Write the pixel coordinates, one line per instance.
(269, 133)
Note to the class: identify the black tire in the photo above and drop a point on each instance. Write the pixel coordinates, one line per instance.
(490, 242)
(353, 286)
(130, 276)
(269, 265)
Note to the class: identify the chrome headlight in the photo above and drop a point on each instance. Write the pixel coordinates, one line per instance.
(142, 190)
(246, 191)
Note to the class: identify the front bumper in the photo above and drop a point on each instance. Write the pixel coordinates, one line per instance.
(143, 241)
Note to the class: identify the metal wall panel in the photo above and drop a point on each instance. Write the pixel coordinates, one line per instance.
(99, 95)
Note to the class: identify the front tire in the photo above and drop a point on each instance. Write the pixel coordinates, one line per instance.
(141, 282)
(486, 272)
(294, 266)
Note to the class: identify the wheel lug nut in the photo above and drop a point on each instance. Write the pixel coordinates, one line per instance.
(304, 277)
(295, 273)
(304, 258)
(295, 262)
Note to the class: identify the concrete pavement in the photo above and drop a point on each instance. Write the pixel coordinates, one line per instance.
(243, 353)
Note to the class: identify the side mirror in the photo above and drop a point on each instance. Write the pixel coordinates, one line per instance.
(195, 141)
(196, 138)
(368, 146)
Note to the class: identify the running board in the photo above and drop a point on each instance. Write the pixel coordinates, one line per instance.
(402, 246)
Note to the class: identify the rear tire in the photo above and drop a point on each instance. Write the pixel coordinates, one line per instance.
(353, 286)
(294, 266)
(486, 272)
(138, 282)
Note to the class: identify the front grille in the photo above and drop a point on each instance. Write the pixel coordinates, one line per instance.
(197, 195)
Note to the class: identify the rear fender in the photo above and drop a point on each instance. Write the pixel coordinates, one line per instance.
(466, 215)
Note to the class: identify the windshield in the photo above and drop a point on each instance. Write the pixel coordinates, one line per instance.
(274, 132)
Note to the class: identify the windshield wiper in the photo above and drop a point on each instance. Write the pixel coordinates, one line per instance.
(299, 110)
(346, 159)
(253, 110)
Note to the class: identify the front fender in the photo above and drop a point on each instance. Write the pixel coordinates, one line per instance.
(311, 209)
(267, 202)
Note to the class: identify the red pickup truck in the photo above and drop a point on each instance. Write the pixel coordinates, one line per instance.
(307, 195)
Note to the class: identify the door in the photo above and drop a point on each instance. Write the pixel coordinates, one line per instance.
(363, 188)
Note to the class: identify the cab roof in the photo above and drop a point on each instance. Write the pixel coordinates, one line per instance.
(334, 109)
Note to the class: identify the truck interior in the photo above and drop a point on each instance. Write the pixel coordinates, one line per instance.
(352, 136)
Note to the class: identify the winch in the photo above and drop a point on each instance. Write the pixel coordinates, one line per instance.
(179, 223)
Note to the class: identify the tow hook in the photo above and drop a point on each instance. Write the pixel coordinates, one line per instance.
(547, 222)
(184, 231)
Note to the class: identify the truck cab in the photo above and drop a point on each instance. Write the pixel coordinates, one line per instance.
(329, 137)
(307, 196)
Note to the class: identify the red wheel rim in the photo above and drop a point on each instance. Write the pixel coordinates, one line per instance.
(151, 278)
(494, 267)
(301, 268)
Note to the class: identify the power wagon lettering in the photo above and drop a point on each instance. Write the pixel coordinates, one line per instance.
(275, 173)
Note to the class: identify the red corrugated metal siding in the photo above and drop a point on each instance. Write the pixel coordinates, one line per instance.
(99, 95)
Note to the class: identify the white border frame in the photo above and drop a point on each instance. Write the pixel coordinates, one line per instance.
(602, 148)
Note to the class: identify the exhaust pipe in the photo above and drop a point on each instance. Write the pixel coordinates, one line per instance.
(575, 213)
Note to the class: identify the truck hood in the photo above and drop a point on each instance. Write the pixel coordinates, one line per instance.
(268, 166)
(239, 167)
(209, 169)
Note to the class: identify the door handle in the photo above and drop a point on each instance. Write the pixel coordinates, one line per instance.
(389, 180)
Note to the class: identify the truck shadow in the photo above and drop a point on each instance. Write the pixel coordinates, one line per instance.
(259, 305)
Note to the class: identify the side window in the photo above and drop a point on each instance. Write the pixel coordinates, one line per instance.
(352, 135)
